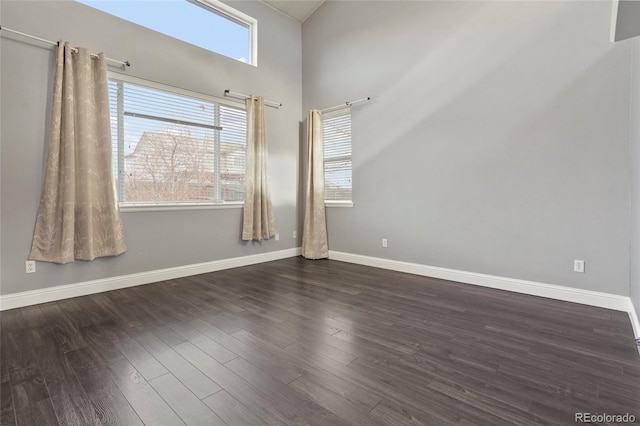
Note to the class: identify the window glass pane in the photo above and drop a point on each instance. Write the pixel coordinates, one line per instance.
(186, 21)
(336, 128)
(168, 147)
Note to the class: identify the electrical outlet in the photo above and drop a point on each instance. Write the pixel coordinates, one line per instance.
(578, 266)
(295, 234)
(384, 242)
(30, 266)
(277, 237)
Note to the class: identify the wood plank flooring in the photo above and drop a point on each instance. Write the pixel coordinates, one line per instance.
(298, 342)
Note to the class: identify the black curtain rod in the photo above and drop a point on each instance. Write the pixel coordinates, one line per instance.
(346, 104)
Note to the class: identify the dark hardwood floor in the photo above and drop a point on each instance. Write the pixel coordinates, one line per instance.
(298, 342)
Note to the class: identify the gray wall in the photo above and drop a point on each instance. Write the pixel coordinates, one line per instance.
(634, 156)
(156, 239)
(497, 139)
(627, 20)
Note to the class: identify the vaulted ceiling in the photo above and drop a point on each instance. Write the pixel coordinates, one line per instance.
(299, 10)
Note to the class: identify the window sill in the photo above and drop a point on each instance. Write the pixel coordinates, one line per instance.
(338, 203)
(135, 208)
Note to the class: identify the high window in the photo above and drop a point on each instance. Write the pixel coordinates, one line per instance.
(175, 148)
(336, 130)
(209, 24)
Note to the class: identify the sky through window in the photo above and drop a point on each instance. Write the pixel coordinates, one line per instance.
(185, 20)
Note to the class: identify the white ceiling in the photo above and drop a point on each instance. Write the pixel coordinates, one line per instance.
(299, 10)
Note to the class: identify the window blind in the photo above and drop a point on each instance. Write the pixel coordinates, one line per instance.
(169, 148)
(336, 130)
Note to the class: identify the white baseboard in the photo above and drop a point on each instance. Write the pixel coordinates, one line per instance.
(34, 297)
(585, 297)
(635, 323)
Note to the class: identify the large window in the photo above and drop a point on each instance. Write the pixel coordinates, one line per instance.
(209, 24)
(172, 147)
(336, 130)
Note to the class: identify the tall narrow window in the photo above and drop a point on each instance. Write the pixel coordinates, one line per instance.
(209, 24)
(173, 147)
(336, 129)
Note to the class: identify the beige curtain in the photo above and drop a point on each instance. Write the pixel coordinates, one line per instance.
(258, 222)
(78, 216)
(314, 234)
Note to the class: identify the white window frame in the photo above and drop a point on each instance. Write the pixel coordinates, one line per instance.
(338, 203)
(169, 205)
(229, 12)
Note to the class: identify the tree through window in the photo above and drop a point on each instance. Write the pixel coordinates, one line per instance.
(172, 148)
